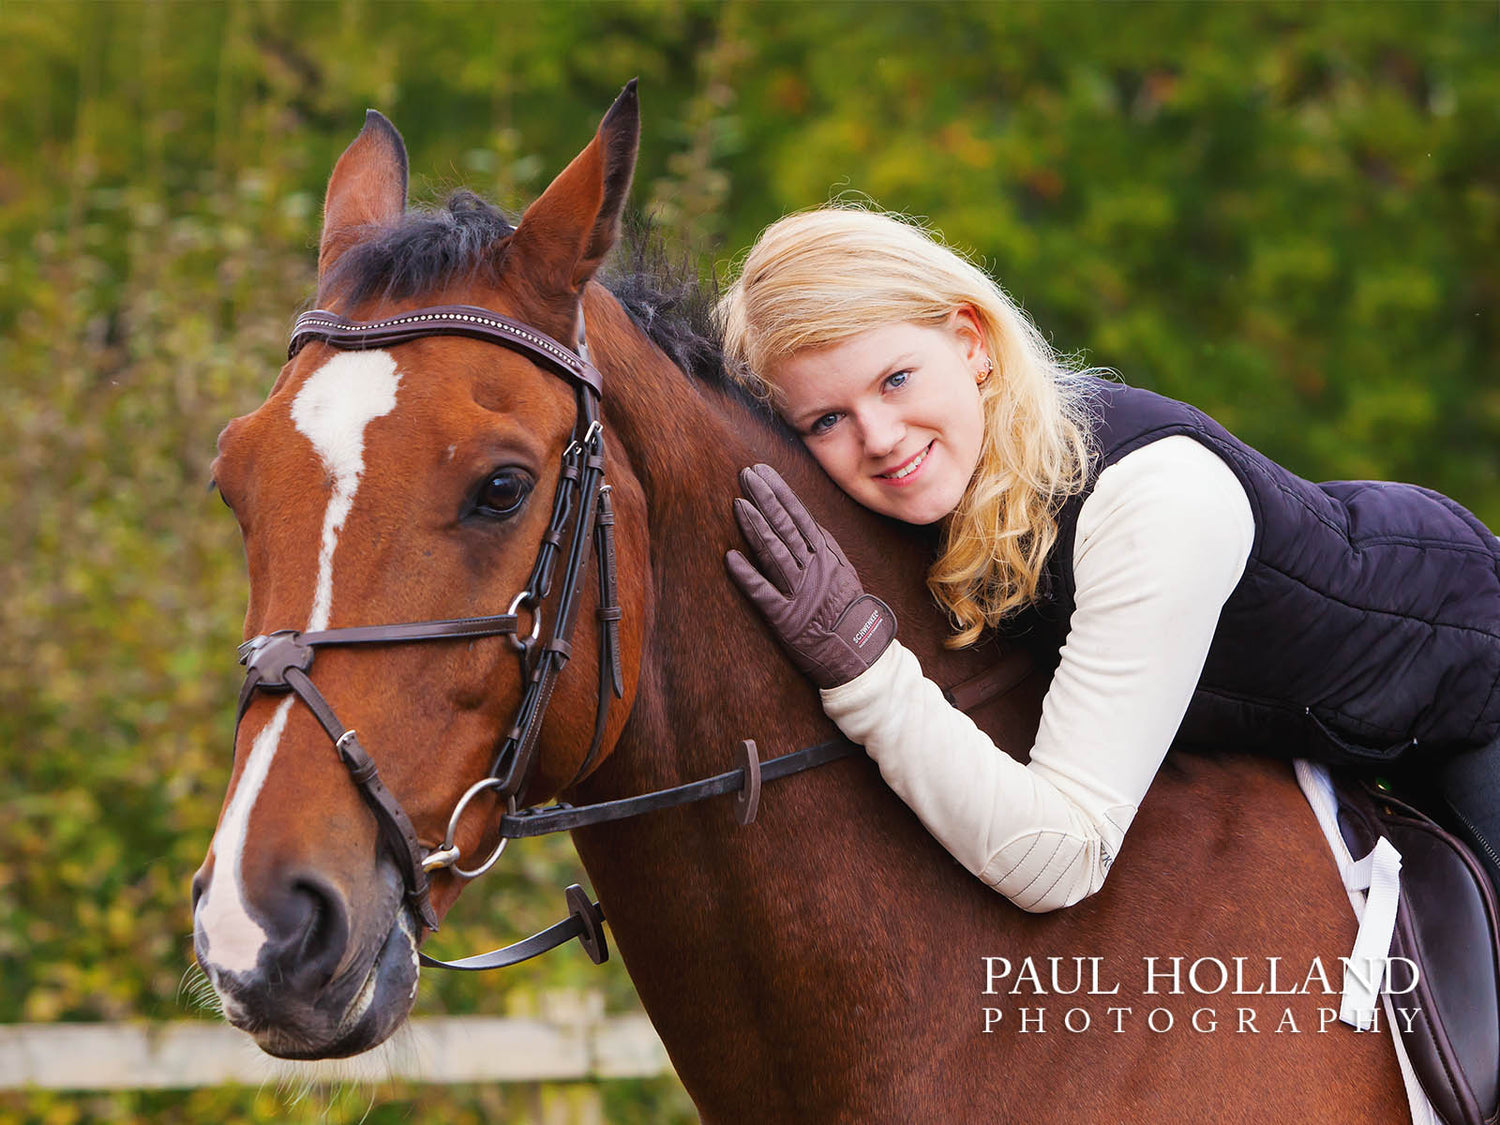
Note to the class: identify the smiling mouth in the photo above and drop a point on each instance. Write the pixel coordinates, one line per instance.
(908, 468)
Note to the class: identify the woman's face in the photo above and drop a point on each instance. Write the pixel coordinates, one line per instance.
(893, 414)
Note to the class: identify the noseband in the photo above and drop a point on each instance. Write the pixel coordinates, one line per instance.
(581, 510)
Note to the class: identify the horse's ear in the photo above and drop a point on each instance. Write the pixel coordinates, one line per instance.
(368, 186)
(566, 233)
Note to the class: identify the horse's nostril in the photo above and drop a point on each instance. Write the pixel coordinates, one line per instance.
(200, 884)
(312, 934)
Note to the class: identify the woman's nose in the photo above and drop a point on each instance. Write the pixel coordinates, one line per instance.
(883, 431)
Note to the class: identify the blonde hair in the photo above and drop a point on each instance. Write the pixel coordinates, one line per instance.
(817, 278)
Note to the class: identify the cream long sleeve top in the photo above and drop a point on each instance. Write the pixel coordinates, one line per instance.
(1161, 543)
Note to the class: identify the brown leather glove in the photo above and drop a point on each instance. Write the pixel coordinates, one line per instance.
(805, 586)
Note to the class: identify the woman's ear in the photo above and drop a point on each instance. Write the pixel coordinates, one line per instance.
(964, 322)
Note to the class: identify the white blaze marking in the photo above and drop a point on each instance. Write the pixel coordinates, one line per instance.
(332, 410)
(234, 937)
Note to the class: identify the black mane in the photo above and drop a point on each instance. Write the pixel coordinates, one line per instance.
(423, 251)
(672, 303)
(430, 247)
(668, 301)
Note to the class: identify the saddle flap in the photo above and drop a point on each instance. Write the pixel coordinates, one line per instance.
(1446, 924)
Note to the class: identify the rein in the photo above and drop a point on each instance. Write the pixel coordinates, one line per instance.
(585, 918)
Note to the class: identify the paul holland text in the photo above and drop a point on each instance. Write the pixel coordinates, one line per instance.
(1051, 989)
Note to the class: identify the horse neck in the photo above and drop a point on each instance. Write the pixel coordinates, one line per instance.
(685, 443)
(710, 676)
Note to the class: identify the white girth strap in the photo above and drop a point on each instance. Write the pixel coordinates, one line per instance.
(1374, 887)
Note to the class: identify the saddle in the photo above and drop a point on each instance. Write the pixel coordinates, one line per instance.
(1446, 924)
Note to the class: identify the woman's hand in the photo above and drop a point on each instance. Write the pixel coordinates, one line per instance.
(803, 584)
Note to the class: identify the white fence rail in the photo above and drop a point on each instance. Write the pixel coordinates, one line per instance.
(573, 1041)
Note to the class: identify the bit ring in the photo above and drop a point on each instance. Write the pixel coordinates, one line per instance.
(448, 854)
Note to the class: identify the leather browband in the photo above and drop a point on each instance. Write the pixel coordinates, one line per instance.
(443, 320)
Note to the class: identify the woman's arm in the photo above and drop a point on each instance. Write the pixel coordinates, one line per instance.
(1161, 543)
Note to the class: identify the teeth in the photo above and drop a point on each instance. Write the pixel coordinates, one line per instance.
(909, 469)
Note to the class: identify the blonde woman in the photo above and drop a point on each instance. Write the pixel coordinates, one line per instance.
(1192, 587)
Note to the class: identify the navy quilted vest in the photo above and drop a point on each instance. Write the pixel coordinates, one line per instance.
(1367, 619)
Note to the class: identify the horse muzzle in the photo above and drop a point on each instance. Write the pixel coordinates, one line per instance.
(313, 989)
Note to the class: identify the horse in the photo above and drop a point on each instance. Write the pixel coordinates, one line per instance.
(827, 961)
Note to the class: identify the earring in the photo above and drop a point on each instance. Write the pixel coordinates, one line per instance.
(989, 366)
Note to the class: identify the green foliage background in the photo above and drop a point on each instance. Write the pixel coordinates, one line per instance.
(1288, 214)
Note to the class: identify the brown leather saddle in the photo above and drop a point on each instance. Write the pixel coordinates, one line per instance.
(1446, 924)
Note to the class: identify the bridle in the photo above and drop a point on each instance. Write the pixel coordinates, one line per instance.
(582, 512)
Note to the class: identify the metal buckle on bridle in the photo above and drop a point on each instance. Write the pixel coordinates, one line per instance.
(587, 445)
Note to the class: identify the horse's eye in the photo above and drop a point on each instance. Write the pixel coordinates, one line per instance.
(503, 494)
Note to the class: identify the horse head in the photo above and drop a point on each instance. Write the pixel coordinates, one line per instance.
(413, 483)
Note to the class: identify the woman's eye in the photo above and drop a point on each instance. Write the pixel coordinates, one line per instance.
(504, 493)
(824, 424)
(897, 379)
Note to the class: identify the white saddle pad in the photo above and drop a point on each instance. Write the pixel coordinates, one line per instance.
(1374, 887)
